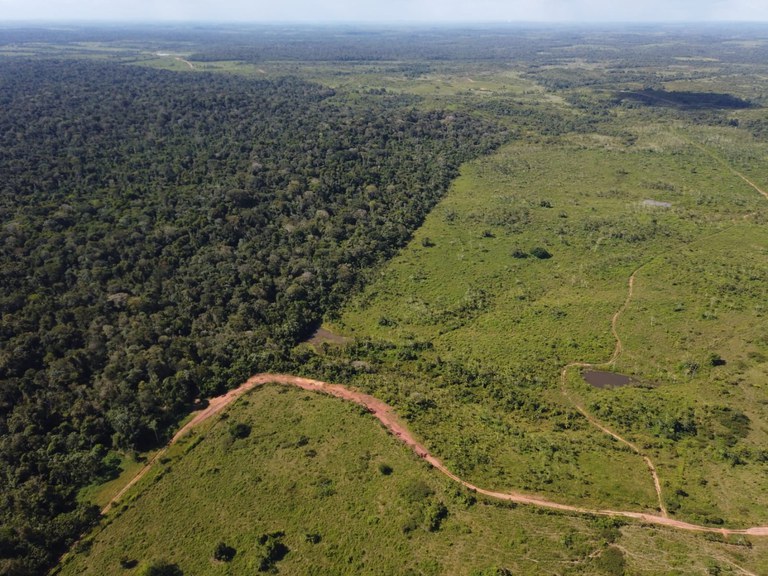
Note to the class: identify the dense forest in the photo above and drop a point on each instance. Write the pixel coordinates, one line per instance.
(165, 235)
(684, 100)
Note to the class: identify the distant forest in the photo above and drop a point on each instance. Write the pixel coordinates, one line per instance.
(166, 235)
(684, 100)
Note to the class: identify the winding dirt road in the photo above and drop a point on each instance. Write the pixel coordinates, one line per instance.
(187, 62)
(385, 414)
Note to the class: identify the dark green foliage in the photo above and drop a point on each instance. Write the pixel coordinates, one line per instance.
(728, 424)
(271, 551)
(161, 569)
(464, 497)
(612, 561)
(165, 236)
(313, 538)
(223, 553)
(660, 419)
(540, 253)
(239, 430)
(684, 100)
(436, 513)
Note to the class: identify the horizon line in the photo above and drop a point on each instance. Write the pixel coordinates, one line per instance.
(370, 23)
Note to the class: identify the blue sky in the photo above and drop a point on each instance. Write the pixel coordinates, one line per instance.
(388, 10)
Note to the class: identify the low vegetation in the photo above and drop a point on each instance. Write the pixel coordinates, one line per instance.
(261, 498)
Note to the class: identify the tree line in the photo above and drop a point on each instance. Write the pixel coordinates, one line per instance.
(164, 236)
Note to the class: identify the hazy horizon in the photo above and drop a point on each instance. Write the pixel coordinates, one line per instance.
(393, 12)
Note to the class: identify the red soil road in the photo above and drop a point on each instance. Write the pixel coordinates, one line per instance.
(385, 414)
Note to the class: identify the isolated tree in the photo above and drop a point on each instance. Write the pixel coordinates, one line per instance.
(223, 553)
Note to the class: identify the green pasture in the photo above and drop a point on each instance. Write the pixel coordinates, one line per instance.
(468, 290)
(342, 496)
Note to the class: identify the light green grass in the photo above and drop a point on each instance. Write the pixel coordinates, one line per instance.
(311, 466)
(102, 494)
(458, 288)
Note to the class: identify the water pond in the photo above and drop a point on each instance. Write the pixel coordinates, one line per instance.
(602, 379)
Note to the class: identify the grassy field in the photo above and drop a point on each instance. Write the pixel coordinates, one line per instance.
(667, 205)
(348, 498)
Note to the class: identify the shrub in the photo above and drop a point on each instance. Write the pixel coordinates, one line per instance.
(385, 469)
(493, 571)
(436, 513)
(239, 430)
(128, 563)
(612, 561)
(609, 528)
(716, 360)
(223, 553)
(272, 550)
(689, 367)
(540, 253)
(161, 568)
(416, 491)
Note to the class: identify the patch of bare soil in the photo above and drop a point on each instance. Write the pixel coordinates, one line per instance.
(322, 335)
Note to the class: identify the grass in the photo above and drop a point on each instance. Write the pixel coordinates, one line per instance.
(312, 465)
(463, 288)
(102, 494)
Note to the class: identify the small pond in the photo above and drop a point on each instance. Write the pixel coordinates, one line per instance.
(602, 379)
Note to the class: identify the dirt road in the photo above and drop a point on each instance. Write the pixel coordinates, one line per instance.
(385, 414)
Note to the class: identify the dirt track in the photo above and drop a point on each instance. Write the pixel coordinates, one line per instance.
(384, 413)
